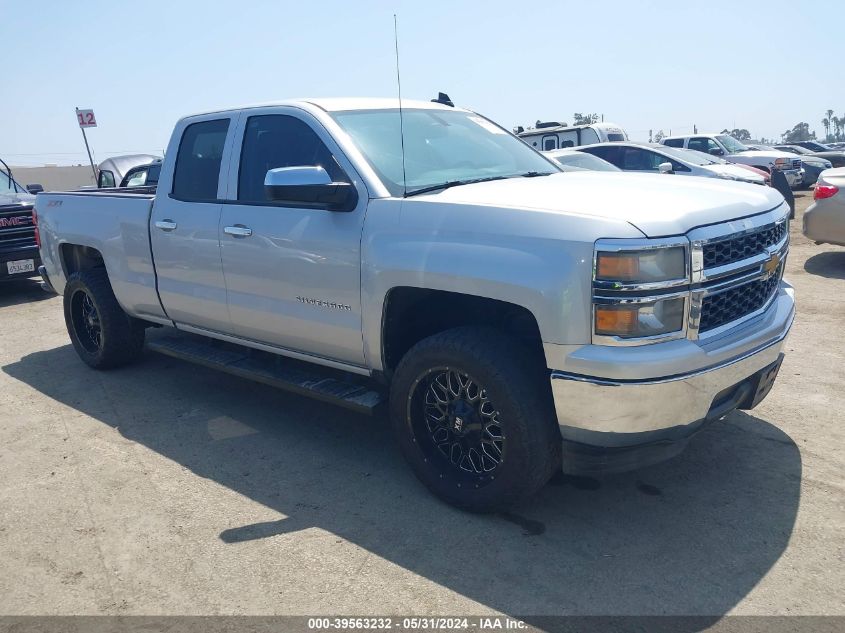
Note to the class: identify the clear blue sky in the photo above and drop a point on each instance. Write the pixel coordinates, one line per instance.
(657, 65)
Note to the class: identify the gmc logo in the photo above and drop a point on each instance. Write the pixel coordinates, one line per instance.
(20, 220)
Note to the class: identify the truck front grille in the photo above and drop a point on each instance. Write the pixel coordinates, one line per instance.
(16, 228)
(737, 302)
(728, 251)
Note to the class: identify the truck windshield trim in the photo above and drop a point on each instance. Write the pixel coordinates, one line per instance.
(442, 148)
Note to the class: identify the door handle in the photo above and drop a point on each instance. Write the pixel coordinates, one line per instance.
(166, 225)
(239, 230)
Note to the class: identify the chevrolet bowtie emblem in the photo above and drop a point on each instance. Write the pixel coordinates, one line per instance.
(771, 264)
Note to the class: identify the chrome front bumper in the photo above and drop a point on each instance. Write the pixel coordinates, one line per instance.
(794, 177)
(617, 412)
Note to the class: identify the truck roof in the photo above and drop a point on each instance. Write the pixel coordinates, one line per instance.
(337, 104)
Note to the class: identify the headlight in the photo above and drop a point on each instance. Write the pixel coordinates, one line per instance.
(640, 290)
(641, 267)
(642, 319)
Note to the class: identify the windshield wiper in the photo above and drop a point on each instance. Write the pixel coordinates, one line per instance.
(472, 181)
(452, 183)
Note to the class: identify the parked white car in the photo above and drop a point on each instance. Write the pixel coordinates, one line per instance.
(553, 135)
(656, 158)
(573, 160)
(732, 150)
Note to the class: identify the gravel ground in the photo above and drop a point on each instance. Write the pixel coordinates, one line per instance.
(166, 488)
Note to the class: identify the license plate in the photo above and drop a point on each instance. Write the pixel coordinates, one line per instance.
(21, 266)
(767, 381)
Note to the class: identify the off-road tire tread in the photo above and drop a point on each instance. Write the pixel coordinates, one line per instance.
(520, 376)
(123, 336)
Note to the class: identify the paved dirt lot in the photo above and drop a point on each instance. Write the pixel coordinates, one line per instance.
(165, 488)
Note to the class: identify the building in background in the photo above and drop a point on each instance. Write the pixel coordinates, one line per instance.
(55, 177)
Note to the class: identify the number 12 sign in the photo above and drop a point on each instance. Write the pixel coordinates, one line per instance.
(86, 118)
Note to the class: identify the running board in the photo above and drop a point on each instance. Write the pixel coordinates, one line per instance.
(303, 378)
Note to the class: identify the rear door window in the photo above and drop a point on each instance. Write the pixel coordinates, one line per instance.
(702, 144)
(198, 161)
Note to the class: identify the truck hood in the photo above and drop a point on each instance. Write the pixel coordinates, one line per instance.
(16, 199)
(656, 204)
(769, 155)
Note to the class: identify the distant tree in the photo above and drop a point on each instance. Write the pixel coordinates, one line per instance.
(829, 117)
(826, 124)
(800, 132)
(659, 136)
(740, 134)
(584, 119)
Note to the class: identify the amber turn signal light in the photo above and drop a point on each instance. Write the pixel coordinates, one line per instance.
(616, 321)
(617, 266)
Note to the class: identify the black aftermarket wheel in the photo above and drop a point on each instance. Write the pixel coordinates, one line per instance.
(101, 332)
(473, 416)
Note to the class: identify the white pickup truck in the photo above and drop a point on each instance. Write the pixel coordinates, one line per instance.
(518, 320)
(732, 150)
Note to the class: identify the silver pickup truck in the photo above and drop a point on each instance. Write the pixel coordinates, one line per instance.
(515, 319)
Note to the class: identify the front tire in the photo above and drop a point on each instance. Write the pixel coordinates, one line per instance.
(102, 334)
(473, 415)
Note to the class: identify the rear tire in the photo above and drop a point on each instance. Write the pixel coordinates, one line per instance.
(102, 334)
(472, 412)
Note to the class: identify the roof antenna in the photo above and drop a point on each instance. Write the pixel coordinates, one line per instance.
(401, 119)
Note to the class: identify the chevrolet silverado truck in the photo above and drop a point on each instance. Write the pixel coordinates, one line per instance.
(19, 256)
(514, 320)
(727, 147)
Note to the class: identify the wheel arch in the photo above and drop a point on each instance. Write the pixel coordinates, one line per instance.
(410, 314)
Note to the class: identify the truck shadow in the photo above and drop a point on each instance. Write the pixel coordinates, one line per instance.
(830, 264)
(13, 293)
(692, 536)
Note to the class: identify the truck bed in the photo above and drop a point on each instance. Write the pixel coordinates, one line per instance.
(115, 224)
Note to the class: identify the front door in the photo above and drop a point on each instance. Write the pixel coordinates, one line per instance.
(184, 229)
(293, 274)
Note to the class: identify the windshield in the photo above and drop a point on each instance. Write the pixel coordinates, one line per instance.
(7, 185)
(440, 147)
(691, 156)
(731, 144)
(714, 160)
(582, 160)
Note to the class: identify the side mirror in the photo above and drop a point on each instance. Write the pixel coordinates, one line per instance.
(716, 151)
(34, 188)
(309, 186)
(665, 168)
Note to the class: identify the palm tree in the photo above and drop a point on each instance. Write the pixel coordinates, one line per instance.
(826, 124)
(829, 114)
(837, 123)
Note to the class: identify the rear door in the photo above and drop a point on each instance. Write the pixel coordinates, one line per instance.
(184, 230)
(294, 280)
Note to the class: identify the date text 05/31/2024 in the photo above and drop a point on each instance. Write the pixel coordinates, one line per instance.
(480, 623)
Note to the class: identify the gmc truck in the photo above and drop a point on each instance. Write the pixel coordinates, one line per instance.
(514, 320)
(19, 256)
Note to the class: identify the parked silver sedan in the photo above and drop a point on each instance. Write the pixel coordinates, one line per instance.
(655, 158)
(824, 221)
